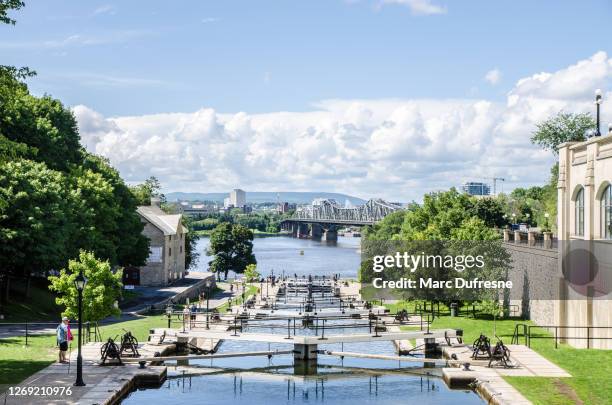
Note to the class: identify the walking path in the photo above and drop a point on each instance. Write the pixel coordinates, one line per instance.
(489, 382)
(105, 385)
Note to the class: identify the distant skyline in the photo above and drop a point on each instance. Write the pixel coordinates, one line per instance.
(373, 98)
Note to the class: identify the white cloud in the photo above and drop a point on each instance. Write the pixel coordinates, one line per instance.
(418, 7)
(100, 80)
(209, 20)
(106, 9)
(391, 148)
(78, 40)
(493, 76)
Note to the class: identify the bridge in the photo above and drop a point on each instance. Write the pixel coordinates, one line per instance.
(322, 219)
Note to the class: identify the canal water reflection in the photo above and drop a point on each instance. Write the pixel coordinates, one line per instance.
(259, 380)
(269, 389)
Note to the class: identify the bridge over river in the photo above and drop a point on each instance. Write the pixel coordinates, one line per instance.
(322, 219)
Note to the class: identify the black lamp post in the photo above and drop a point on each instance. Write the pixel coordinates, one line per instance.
(169, 314)
(80, 283)
(598, 101)
(243, 291)
(208, 284)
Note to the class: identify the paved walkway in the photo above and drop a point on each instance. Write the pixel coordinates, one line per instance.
(104, 384)
(148, 296)
(490, 382)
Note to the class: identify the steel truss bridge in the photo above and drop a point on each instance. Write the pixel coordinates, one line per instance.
(330, 212)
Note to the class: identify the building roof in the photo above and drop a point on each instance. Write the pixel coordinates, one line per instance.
(168, 224)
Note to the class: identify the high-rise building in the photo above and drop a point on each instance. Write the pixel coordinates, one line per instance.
(476, 188)
(237, 198)
(285, 207)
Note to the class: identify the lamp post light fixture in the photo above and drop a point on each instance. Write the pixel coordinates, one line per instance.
(598, 101)
(208, 284)
(169, 314)
(546, 215)
(243, 293)
(80, 283)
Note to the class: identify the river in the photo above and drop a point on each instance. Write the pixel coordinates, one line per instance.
(298, 256)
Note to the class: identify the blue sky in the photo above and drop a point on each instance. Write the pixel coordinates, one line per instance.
(374, 98)
(137, 57)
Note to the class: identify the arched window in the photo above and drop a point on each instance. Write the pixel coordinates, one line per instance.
(579, 215)
(606, 213)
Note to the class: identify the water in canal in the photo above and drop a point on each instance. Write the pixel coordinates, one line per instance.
(259, 380)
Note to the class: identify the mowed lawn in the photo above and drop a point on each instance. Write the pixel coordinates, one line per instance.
(18, 361)
(591, 370)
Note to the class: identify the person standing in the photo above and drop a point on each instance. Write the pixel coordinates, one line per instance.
(62, 339)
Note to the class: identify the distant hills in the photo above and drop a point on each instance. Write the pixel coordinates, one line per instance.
(258, 197)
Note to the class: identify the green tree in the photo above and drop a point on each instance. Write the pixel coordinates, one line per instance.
(132, 247)
(147, 190)
(563, 127)
(232, 246)
(251, 274)
(43, 124)
(101, 292)
(446, 224)
(35, 221)
(5, 6)
(490, 211)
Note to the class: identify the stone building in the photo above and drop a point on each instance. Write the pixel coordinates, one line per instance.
(166, 261)
(585, 234)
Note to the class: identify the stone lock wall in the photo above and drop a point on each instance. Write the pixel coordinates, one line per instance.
(534, 275)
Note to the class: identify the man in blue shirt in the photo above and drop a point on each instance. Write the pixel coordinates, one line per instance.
(62, 339)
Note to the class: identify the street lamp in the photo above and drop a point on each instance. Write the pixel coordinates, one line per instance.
(243, 291)
(80, 283)
(546, 215)
(598, 101)
(207, 284)
(169, 314)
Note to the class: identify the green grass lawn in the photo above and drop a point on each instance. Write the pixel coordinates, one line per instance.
(18, 361)
(40, 306)
(251, 290)
(590, 369)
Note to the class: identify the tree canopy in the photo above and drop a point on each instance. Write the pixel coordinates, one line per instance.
(446, 224)
(563, 127)
(5, 6)
(101, 292)
(56, 198)
(232, 246)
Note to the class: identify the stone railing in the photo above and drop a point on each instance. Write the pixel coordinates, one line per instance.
(536, 238)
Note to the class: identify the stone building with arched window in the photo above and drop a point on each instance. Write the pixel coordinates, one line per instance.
(584, 224)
